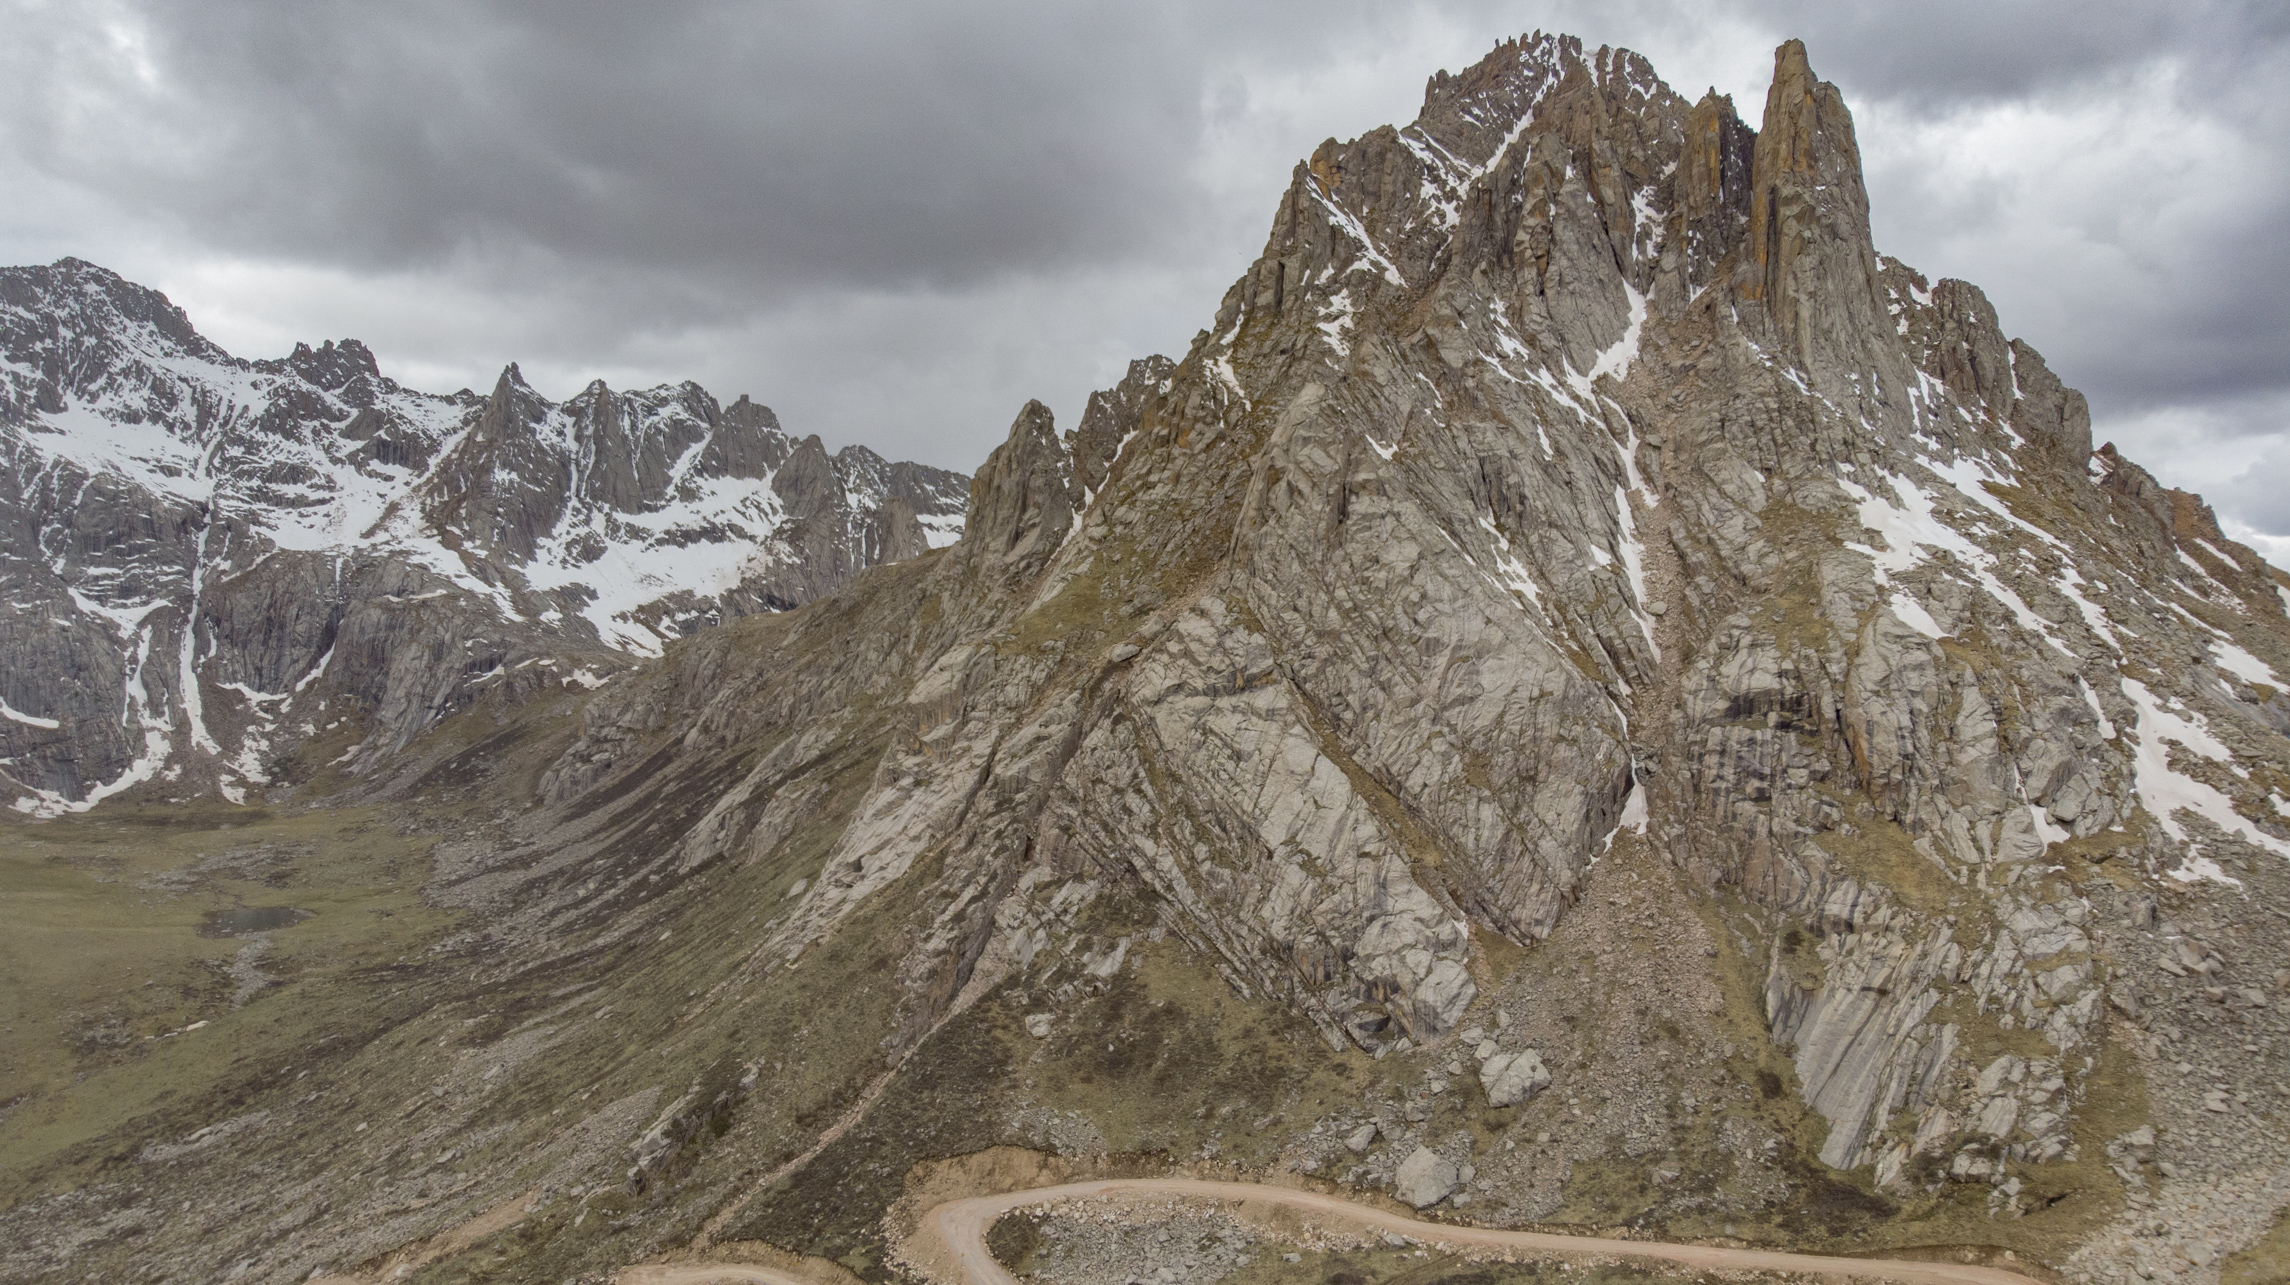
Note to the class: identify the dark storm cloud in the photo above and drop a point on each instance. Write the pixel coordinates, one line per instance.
(1942, 54)
(2200, 309)
(781, 145)
(790, 147)
(897, 223)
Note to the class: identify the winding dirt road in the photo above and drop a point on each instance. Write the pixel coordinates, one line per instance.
(960, 1228)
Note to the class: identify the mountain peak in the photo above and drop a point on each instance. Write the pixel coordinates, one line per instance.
(1022, 501)
(103, 304)
(278, 513)
(1809, 218)
(330, 366)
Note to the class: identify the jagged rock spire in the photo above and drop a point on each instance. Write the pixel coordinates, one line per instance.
(1814, 262)
(1022, 502)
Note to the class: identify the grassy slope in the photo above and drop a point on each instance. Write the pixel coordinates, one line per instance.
(101, 937)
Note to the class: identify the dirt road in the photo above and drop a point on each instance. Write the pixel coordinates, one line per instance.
(960, 1227)
(706, 1274)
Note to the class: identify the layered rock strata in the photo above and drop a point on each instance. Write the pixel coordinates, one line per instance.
(1569, 467)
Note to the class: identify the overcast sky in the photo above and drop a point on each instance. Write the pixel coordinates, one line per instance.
(896, 223)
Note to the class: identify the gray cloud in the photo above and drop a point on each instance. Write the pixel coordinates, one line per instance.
(1942, 54)
(897, 224)
(786, 145)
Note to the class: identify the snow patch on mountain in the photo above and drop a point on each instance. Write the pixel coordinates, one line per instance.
(163, 480)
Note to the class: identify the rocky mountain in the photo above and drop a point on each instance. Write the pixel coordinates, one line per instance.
(1587, 696)
(208, 557)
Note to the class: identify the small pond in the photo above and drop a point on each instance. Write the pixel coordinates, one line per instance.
(242, 920)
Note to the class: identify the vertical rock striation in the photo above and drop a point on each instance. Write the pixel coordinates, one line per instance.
(1571, 470)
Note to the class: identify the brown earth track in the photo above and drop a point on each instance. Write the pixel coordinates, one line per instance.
(959, 1229)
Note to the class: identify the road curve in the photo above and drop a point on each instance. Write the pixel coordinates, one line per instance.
(960, 1226)
(705, 1274)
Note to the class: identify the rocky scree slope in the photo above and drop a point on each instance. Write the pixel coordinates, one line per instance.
(1581, 627)
(209, 559)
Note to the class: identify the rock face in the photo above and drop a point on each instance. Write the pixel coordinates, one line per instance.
(1571, 469)
(207, 557)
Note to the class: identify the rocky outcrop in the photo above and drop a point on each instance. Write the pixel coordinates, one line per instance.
(1022, 504)
(209, 561)
(1811, 264)
(1111, 417)
(1863, 1046)
(1570, 469)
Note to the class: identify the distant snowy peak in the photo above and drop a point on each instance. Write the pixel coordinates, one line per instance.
(605, 506)
(595, 507)
(191, 533)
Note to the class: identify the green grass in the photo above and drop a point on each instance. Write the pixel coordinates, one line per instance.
(1166, 1059)
(2265, 1263)
(100, 936)
(1170, 1058)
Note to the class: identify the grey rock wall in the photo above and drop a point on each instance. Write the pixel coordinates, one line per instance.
(1570, 470)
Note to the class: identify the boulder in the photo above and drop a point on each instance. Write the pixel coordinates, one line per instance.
(1425, 1178)
(1512, 1078)
(2140, 1143)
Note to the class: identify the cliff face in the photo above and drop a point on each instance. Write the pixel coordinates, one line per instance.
(1571, 472)
(208, 557)
(1580, 615)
